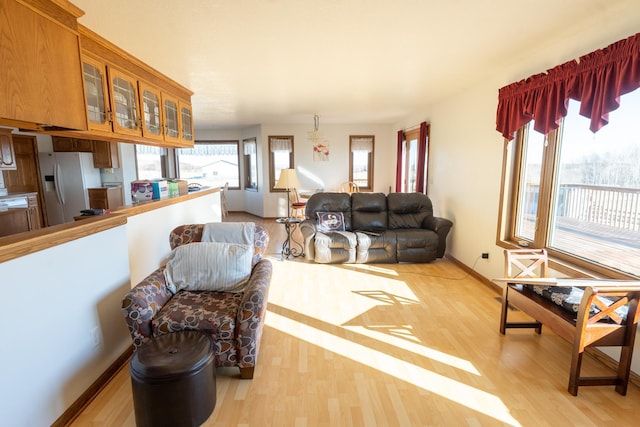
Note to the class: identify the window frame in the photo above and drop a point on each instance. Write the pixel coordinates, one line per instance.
(250, 163)
(513, 156)
(272, 178)
(370, 161)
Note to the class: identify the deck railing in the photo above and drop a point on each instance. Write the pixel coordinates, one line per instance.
(611, 206)
(597, 204)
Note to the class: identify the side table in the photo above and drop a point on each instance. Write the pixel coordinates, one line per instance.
(290, 245)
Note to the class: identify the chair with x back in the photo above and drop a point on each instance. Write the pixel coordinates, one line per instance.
(520, 263)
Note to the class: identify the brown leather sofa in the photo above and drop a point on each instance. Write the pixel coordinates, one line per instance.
(373, 228)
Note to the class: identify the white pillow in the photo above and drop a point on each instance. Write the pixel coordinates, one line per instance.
(209, 266)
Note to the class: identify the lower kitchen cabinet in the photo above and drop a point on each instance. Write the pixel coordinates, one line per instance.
(105, 198)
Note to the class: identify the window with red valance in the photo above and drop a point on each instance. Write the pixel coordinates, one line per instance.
(596, 80)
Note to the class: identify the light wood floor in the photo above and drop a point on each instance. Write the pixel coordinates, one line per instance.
(392, 345)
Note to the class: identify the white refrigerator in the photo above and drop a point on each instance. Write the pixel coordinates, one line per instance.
(65, 180)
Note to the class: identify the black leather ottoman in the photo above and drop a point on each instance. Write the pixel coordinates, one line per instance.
(173, 380)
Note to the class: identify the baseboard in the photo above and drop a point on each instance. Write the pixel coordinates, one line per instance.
(592, 351)
(89, 394)
(475, 274)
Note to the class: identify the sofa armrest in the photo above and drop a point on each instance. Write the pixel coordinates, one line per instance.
(308, 231)
(441, 226)
(141, 304)
(251, 313)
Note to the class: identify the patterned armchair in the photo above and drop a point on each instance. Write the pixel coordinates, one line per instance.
(234, 320)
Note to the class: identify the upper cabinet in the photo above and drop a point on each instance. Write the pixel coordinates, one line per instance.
(105, 154)
(71, 144)
(96, 94)
(126, 100)
(123, 92)
(186, 122)
(151, 110)
(41, 73)
(7, 153)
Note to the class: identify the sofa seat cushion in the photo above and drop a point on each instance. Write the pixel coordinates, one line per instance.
(416, 245)
(335, 247)
(211, 312)
(376, 247)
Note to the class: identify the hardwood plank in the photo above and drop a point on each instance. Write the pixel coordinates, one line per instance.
(392, 344)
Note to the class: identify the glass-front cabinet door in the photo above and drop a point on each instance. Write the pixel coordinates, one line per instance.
(171, 119)
(95, 87)
(124, 102)
(186, 123)
(150, 108)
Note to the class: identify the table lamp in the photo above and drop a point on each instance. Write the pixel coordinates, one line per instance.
(288, 180)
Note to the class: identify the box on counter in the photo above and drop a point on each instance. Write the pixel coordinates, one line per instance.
(183, 186)
(141, 190)
(173, 188)
(160, 188)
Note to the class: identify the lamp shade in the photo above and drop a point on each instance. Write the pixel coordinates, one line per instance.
(288, 179)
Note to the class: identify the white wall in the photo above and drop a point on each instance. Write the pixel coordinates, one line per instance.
(466, 151)
(148, 232)
(328, 174)
(52, 312)
(48, 315)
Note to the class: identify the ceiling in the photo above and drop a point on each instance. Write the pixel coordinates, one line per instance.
(349, 61)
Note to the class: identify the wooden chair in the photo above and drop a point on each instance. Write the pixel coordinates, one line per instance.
(519, 263)
(583, 328)
(348, 187)
(297, 205)
(223, 199)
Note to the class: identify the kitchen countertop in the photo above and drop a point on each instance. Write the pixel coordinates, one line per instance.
(12, 195)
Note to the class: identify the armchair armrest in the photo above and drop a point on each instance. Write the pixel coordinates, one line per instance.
(441, 226)
(251, 314)
(141, 304)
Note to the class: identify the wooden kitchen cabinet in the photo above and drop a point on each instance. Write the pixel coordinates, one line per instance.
(105, 154)
(19, 213)
(186, 123)
(65, 144)
(105, 198)
(123, 92)
(40, 76)
(7, 153)
(34, 212)
(128, 101)
(151, 109)
(96, 94)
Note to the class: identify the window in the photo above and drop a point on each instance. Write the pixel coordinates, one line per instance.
(410, 161)
(250, 164)
(151, 162)
(577, 193)
(210, 163)
(280, 157)
(361, 161)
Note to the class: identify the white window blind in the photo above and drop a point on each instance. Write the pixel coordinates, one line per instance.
(362, 144)
(281, 144)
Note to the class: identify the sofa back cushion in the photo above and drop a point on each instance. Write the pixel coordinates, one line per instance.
(408, 210)
(369, 212)
(330, 202)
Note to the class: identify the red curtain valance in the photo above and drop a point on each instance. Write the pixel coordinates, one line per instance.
(597, 80)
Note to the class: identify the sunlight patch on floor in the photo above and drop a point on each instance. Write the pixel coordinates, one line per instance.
(456, 391)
